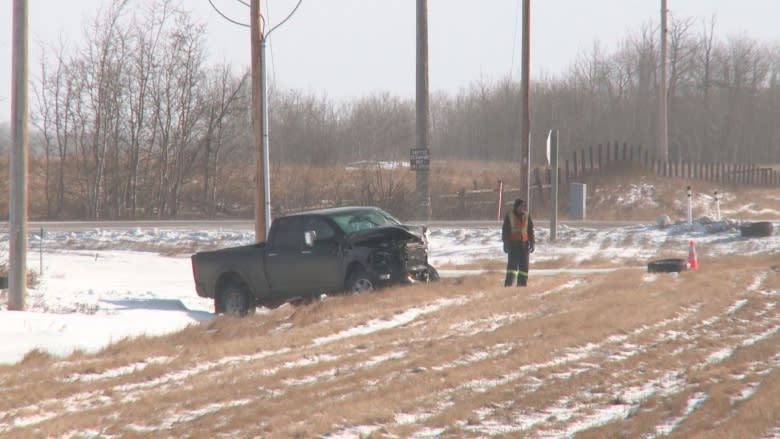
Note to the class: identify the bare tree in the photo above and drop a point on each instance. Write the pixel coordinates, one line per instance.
(225, 101)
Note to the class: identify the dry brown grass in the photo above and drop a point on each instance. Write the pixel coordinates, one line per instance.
(457, 355)
(296, 187)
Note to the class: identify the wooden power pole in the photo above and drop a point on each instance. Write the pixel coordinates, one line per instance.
(525, 122)
(255, 35)
(663, 105)
(17, 255)
(421, 154)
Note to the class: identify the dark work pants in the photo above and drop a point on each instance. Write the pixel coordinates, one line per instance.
(517, 265)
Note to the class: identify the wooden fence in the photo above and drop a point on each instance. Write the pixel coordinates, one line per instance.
(591, 162)
(610, 157)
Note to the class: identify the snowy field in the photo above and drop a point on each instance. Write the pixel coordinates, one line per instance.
(84, 299)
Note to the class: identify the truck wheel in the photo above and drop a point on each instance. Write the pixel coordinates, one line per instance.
(359, 282)
(433, 274)
(235, 301)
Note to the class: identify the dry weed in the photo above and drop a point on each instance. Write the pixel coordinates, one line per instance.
(459, 355)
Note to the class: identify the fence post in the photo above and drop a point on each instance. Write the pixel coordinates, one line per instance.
(582, 158)
(590, 156)
(601, 165)
(608, 154)
(574, 160)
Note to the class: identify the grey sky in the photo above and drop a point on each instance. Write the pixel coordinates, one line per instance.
(351, 48)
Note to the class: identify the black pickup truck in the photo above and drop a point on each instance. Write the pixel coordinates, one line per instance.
(344, 249)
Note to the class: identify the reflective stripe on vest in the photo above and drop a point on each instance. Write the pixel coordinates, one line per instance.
(519, 227)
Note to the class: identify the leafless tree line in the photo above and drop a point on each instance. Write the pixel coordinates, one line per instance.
(136, 123)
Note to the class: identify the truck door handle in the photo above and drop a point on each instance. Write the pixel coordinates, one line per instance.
(271, 254)
(306, 252)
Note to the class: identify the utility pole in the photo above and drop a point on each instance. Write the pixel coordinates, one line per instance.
(17, 275)
(259, 123)
(423, 115)
(525, 123)
(663, 118)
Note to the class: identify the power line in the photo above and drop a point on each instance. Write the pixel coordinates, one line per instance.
(225, 16)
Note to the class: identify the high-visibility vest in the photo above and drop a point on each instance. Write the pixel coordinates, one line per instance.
(519, 226)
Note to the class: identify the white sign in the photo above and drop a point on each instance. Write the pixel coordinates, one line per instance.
(549, 139)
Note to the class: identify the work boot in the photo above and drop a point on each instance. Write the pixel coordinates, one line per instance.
(510, 279)
(522, 281)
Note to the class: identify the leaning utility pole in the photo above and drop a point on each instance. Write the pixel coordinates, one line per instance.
(422, 153)
(525, 123)
(258, 121)
(663, 118)
(17, 255)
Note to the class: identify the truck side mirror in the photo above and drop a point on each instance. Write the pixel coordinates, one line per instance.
(309, 237)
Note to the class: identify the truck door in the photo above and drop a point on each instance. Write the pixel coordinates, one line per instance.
(282, 257)
(321, 262)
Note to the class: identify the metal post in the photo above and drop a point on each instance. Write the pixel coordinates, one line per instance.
(423, 110)
(17, 255)
(554, 182)
(500, 199)
(266, 159)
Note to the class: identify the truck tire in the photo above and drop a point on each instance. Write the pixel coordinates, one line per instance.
(673, 265)
(236, 301)
(433, 274)
(761, 228)
(359, 282)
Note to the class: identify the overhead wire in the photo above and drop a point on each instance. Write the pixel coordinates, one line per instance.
(263, 21)
(225, 16)
(270, 46)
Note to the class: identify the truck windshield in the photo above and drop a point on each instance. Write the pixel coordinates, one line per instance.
(357, 220)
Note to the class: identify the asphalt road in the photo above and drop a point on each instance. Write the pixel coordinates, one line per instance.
(74, 226)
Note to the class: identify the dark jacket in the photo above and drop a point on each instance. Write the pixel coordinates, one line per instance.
(506, 229)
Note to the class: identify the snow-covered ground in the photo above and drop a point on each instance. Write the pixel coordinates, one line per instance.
(85, 299)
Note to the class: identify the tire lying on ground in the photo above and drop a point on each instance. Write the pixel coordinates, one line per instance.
(673, 265)
(761, 228)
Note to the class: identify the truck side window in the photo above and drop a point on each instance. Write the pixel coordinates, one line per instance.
(287, 233)
(319, 225)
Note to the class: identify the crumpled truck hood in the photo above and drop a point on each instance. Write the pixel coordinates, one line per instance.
(388, 232)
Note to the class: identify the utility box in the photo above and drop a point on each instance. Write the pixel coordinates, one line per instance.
(578, 197)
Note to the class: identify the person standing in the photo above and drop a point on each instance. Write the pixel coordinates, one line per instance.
(518, 236)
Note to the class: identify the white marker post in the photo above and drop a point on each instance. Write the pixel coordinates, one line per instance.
(717, 206)
(690, 208)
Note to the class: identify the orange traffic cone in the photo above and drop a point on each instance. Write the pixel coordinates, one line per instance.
(693, 263)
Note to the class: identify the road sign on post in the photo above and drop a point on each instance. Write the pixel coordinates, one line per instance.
(419, 159)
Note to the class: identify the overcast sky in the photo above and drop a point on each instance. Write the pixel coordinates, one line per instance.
(351, 48)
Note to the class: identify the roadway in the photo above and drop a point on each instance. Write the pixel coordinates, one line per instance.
(75, 226)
